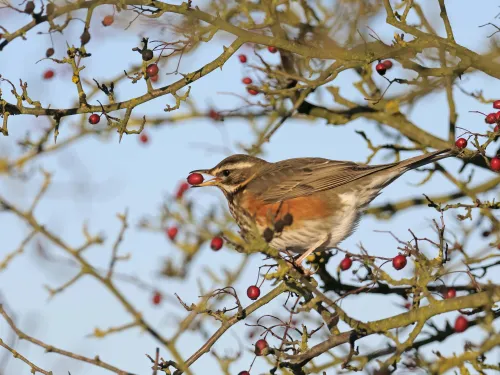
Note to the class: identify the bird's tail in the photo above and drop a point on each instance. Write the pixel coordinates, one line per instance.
(421, 160)
(396, 170)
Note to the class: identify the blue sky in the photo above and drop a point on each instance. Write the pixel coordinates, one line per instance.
(97, 178)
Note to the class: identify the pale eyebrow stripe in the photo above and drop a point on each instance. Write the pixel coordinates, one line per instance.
(237, 165)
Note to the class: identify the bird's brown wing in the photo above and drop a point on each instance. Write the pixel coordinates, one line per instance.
(294, 178)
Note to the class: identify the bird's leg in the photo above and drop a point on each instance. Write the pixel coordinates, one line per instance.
(312, 249)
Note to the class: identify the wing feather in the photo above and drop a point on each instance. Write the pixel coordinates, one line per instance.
(294, 178)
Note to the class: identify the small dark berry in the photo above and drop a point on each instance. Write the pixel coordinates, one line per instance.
(272, 49)
(491, 118)
(495, 164)
(268, 234)
(94, 118)
(30, 7)
(195, 179)
(387, 64)
(152, 70)
(399, 262)
(85, 37)
(244, 373)
(253, 292)
(49, 52)
(242, 58)
(260, 346)
(496, 104)
(461, 143)
(381, 69)
(216, 243)
(461, 324)
(450, 293)
(147, 54)
(172, 233)
(247, 80)
(346, 263)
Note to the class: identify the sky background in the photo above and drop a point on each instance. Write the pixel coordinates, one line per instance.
(95, 179)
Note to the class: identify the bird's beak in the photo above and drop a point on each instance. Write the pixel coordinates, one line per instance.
(212, 182)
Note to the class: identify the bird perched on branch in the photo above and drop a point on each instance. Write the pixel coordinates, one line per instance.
(305, 204)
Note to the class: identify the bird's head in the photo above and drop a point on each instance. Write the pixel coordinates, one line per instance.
(232, 173)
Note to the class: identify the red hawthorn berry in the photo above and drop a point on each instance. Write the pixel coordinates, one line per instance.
(497, 116)
(108, 20)
(253, 292)
(242, 58)
(154, 78)
(497, 128)
(144, 138)
(94, 118)
(450, 293)
(152, 70)
(157, 298)
(260, 346)
(491, 118)
(387, 64)
(346, 263)
(182, 189)
(461, 324)
(252, 91)
(381, 69)
(48, 74)
(244, 373)
(461, 143)
(195, 179)
(272, 49)
(399, 262)
(214, 115)
(247, 80)
(50, 51)
(408, 305)
(496, 104)
(495, 164)
(172, 233)
(216, 243)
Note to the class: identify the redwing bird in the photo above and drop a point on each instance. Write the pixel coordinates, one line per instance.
(308, 203)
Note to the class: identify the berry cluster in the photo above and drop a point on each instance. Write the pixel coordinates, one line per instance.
(494, 117)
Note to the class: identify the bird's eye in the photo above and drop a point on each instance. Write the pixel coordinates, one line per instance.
(226, 172)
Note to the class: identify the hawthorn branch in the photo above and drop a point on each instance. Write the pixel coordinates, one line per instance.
(52, 349)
